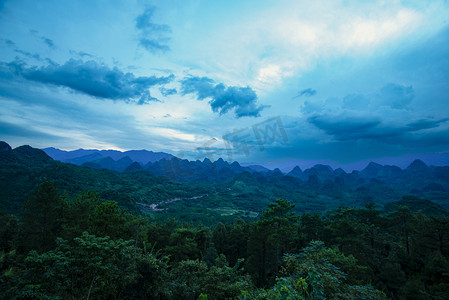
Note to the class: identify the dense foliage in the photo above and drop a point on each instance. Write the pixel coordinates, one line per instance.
(84, 247)
(215, 192)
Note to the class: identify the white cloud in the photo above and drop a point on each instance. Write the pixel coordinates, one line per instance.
(363, 33)
(273, 43)
(169, 133)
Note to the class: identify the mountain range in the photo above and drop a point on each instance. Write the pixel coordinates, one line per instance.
(183, 170)
(206, 188)
(108, 159)
(120, 160)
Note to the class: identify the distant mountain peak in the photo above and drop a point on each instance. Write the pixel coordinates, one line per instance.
(296, 172)
(322, 167)
(31, 154)
(417, 165)
(125, 159)
(4, 146)
(297, 169)
(81, 156)
(374, 165)
(235, 163)
(339, 171)
(135, 166)
(276, 172)
(322, 172)
(371, 170)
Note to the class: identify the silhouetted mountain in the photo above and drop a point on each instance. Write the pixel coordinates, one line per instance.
(63, 156)
(374, 170)
(431, 159)
(417, 166)
(81, 160)
(322, 172)
(82, 156)
(110, 164)
(339, 171)
(4, 146)
(195, 171)
(135, 166)
(24, 168)
(257, 168)
(28, 153)
(296, 172)
(235, 167)
(317, 189)
(275, 173)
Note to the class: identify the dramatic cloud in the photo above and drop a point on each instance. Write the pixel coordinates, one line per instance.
(93, 79)
(223, 99)
(344, 127)
(347, 126)
(369, 78)
(384, 115)
(307, 93)
(153, 37)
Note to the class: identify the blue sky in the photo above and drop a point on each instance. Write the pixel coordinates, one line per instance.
(269, 81)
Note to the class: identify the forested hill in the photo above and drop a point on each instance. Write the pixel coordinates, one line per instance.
(77, 232)
(22, 169)
(223, 189)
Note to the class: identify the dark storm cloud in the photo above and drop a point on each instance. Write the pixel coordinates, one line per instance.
(346, 127)
(243, 100)
(153, 37)
(94, 79)
(307, 93)
(363, 116)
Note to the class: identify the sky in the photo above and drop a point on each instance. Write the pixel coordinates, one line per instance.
(252, 81)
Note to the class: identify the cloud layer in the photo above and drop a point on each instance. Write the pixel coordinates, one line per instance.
(94, 79)
(243, 100)
(383, 116)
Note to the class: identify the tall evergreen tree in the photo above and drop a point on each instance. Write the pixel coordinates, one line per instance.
(279, 219)
(42, 218)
